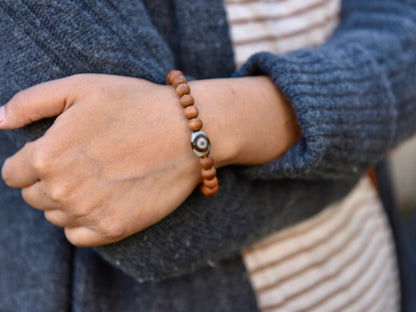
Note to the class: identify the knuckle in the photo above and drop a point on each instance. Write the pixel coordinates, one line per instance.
(5, 173)
(82, 237)
(27, 197)
(59, 194)
(81, 212)
(57, 217)
(74, 239)
(41, 161)
(113, 230)
(92, 212)
(81, 81)
(48, 216)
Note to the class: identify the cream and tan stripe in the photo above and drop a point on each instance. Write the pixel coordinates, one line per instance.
(341, 260)
(279, 26)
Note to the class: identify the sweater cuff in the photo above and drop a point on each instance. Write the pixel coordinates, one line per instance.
(343, 103)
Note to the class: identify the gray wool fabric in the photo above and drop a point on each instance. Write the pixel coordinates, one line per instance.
(354, 98)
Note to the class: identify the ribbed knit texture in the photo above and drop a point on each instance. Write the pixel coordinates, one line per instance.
(354, 96)
(347, 126)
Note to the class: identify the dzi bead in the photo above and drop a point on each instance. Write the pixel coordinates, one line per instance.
(200, 143)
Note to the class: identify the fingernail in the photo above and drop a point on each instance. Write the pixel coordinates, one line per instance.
(1, 113)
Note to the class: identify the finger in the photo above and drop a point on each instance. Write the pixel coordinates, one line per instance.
(35, 103)
(59, 218)
(21, 170)
(36, 196)
(84, 237)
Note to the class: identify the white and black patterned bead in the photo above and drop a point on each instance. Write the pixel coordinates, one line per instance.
(200, 143)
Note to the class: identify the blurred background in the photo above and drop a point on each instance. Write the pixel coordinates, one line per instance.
(403, 171)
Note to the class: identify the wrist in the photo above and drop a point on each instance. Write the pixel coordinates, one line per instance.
(248, 120)
(212, 99)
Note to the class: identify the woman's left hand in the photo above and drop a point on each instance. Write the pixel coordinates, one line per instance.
(116, 160)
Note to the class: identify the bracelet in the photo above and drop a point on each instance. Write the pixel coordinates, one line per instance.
(199, 140)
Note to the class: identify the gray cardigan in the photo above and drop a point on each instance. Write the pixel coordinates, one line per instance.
(354, 98)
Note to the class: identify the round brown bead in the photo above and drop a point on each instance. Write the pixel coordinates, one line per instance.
(209, 174)
(173, 74)
(211, 183)
(209, 191)
(206, 162)
(186, 100)
(182, 89)
(179, 80)
(191, 112)
(195, 124)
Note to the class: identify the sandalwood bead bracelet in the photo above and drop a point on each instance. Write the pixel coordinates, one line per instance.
(199, 140)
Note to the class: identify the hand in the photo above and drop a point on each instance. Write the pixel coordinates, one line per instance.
(116, 160)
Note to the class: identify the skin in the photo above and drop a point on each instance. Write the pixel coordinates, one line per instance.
(119, 142)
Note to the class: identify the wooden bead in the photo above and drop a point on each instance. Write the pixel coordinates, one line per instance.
(206, 162)
(209, 191)
(172, 75)
(186, 100)
(211, 183)
(182, 89)
(191, 112)
(195, 124)
(209, 174)
(179, 80)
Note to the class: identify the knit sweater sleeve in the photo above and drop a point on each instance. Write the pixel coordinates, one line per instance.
(354, 96)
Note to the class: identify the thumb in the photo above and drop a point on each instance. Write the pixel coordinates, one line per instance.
(44, 100)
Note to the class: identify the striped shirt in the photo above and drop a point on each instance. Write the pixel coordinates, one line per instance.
(343, 259)
(279, 25)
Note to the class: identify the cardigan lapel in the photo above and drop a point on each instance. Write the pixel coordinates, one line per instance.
(202, 38)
